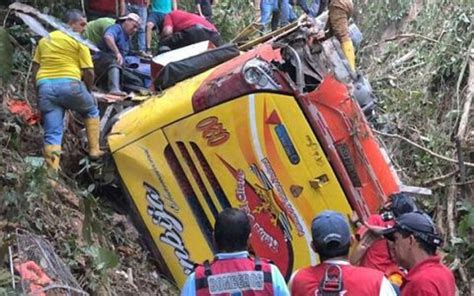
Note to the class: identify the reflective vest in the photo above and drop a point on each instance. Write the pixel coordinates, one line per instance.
(356, 281)
(250, 276)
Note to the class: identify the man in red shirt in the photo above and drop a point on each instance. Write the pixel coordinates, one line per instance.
(414, 243)
(372, 250)
(180, 28)
(103, 8)
(335, 275)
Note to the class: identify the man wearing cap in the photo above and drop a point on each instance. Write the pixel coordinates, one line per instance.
(114, 46)
(233, 271)
(372, 249)
(335, 275)
(415, 241)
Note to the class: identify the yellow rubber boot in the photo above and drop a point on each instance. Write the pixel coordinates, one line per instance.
(52, 155)
(93, 131)
(348, 50)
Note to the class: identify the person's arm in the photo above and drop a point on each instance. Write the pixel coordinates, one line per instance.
(292, 278)
(87, 66)
(36, 64)
(175, 4)
(110, 42)
(167, 26)
(386, 288)
(88, 78)
(167, 31)
(189, 288)
(198, 7)
(359, 251)
(278, 282)
(34, 72)
(123, 7)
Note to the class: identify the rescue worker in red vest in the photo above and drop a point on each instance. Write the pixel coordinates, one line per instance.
(335, 275)
(415, 241)
(233, 271)
(373, 250)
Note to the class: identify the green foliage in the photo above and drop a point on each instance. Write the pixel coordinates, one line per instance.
(91, 225)
(417, 74)
(229, 16)
(6, 53)
(103, 259)
(424, 84)
(232, 16)
(377, 14)
(466, 225)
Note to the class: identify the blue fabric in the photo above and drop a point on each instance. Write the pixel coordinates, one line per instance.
(142, 11)
(56, 95)
(284, 12)
(156, 18)
(122, 40)
(292, 16)
(278, 282)
(312, 9)
(267, 9)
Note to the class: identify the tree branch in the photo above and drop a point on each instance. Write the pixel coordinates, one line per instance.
(468, 164)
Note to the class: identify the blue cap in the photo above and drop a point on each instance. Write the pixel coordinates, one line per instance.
(330, 227)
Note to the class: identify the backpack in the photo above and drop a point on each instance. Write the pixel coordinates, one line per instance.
(331, 284)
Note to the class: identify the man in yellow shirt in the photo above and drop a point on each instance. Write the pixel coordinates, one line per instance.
(59, 64)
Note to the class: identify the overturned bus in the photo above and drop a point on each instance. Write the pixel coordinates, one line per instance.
(275, 131)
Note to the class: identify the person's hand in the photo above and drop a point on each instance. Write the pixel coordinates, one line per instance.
(119, 58)
(319, 34)
(354, 217)
(368, 239)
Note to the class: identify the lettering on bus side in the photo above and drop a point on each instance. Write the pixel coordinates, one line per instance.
(172, 226)
(349, 164)
(213, 131)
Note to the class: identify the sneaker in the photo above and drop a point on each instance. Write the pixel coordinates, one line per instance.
(118, 93)
(145, 54)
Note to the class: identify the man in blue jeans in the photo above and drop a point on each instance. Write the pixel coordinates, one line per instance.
(59, 64)
(269, 14)
(139, 7)
(276, 13)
